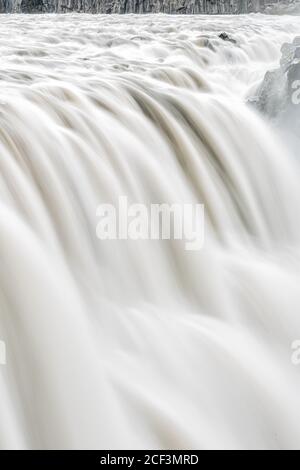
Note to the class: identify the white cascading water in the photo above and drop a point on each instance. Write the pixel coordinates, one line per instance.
(141, 344)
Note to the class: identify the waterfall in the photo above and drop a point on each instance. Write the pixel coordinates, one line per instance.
(142, 344)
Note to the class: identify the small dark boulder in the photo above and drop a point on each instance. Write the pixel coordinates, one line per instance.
(225, 37)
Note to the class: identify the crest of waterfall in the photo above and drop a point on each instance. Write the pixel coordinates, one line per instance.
(141, 344)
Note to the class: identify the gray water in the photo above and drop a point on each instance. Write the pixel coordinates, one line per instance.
(141, 344)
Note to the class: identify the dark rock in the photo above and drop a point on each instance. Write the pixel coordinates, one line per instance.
(297, 53)
(136, 6)
(225, 37)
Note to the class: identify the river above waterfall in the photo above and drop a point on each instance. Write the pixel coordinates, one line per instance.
(166, 50)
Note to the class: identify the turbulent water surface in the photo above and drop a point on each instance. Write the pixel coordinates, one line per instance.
(141, 344)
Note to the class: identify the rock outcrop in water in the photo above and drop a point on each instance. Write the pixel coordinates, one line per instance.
(278, 97)
(136, 6)
(279, 94)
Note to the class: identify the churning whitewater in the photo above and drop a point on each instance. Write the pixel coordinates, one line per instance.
(142, 344)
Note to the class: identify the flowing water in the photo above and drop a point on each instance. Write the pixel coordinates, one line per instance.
(141, 344)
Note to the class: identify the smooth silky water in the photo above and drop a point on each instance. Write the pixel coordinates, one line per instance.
(142, 344)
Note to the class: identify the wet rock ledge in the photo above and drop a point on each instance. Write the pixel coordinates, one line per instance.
(137, 6)
(279, 94)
